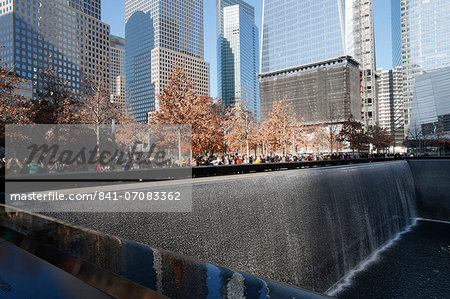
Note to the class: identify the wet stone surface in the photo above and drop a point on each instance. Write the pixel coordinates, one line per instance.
(416, 266)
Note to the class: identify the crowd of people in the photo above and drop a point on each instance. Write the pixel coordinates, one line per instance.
(15, 166)
(236, 159)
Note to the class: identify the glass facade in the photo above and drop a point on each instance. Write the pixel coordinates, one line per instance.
(140, 91)
(431, 105)
(178, 24)
(425, 42)
(396, 33)
(238, 53)
(117, 69)
(158, 34)
(296, 33)
(300, 32)
(38, 35)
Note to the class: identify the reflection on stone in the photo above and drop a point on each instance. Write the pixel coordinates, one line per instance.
(87, 254)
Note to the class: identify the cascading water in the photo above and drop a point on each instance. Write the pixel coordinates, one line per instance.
(307, 228)
(368, 206)
(347, 279)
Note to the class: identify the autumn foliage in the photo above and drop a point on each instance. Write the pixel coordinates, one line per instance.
(180, 105)
(281, 130)
(14, 109)
(214, 128)
(241, 131)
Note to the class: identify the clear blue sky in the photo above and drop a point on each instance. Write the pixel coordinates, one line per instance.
(113, 13)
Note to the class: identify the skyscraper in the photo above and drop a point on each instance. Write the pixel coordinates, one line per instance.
(431, 106)
(396, 33)
(158, 34)
(390, 99)
(89, 7)
(425, 42)
(386, 100)
(297, 33)
(65, 36)
(117, 63)
(237, 55)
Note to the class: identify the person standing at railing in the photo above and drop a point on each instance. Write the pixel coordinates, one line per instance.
(35, 166)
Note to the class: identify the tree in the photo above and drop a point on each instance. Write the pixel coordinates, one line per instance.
(442, 142)
(333, 128)
(97, 108)
(14, 109)
(280, 129)
(353, 132)
(56, 103)
(319, 138)
(207, 130)
(415, 137)
(379, 137)
(128, 130)
(180, 105)
(239, 125)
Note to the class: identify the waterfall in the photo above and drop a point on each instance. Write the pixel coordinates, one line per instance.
(308, 227)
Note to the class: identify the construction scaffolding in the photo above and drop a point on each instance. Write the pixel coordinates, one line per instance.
(326, 92)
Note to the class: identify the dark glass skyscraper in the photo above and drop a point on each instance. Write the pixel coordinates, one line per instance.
(140, 95)
(237, 55)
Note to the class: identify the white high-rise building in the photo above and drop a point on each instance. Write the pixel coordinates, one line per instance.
(390, 101)
(385, 100)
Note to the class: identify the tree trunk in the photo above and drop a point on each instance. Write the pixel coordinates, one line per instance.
(190, 156)
(293, 143)
(248, 152)
(179, 147)
(98, 140)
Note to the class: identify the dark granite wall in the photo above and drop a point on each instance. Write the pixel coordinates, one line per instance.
(432, 184)
(306, 227)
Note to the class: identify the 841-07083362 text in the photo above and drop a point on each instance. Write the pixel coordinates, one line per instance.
(99, 196)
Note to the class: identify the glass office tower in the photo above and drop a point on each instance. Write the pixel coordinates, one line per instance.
(117, 68)
(296, 33)
(425, 42)
(38, 35)
(396, 33)
(431, 106)
(300, 32)
(139, 43)
(237, 55)
(158, 34)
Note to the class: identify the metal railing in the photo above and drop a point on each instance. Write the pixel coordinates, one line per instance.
(158, 174)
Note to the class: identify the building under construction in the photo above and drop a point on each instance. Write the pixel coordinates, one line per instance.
(325, 92)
